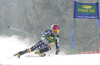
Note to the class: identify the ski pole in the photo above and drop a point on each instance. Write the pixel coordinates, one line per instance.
(21, 31)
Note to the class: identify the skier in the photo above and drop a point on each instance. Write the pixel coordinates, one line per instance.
(48, 39)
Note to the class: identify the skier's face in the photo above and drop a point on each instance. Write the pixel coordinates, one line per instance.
(56, 32)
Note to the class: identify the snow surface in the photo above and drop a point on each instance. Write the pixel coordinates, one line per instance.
(11, 45)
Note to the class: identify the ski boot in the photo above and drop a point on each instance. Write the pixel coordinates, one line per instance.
(40, 54)
(22, 52)
(17, 54)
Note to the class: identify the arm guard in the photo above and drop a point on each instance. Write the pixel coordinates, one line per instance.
(46, 32)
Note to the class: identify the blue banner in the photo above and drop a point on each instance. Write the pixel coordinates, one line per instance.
(86, 10)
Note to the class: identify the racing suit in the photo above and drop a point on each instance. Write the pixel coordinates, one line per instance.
(45, 44)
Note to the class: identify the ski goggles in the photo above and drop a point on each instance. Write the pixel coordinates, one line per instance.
(56, 31)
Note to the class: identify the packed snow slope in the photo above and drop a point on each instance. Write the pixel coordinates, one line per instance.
(11, 45)
(54, 60)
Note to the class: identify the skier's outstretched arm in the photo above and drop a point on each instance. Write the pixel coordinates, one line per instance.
(46, 32)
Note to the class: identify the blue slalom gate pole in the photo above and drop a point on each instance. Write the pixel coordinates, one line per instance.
(74, 16)
(98, 25)
(73, 36)
(99, 33)
(73, 29)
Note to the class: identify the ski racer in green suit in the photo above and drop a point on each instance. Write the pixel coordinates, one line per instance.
(48, 39)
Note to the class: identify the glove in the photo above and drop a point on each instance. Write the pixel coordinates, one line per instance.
(57, 52)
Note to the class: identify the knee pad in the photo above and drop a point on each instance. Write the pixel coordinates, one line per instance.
(45, 49)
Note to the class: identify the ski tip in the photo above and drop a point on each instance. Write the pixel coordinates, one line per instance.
(8, 26)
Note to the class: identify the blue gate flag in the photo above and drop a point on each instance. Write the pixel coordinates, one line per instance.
(86, 10)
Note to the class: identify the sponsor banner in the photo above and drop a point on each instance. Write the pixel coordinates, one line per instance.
(86, 10)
